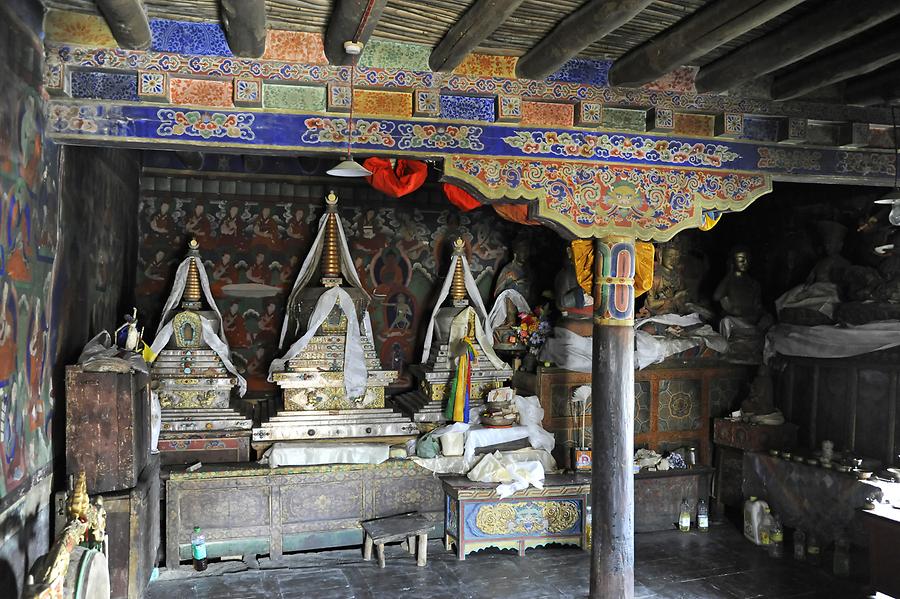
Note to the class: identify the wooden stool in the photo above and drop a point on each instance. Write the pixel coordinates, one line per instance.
(405, 527)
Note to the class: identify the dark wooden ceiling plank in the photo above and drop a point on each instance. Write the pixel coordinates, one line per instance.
(480, 21)
(868, 56)
(127, 21)
(800, 38)
(575, 33)
(351, 20)
(693, 37)
(244, 22)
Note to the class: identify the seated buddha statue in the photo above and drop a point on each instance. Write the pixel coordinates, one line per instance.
(744, 320)
(668, 294)
(513, 289)
(574, 303)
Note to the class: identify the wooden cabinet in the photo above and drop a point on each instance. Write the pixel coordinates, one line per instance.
(132, 521)
(107, 427)
(673, 403)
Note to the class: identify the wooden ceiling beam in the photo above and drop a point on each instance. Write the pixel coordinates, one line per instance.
(245, 26)
(802, 37)
(881, 87)
(478, 22)
(127, 21)
(693, 37)
(351, 20)
(864, 58)
(576, 32)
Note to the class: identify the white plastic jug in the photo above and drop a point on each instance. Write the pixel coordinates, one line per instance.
(754, 515)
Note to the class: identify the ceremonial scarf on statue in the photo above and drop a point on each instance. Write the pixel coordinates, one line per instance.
(486, 341)
(461, 388)
(216, 341)
(498, 312)
(308, 269)
(355, 372)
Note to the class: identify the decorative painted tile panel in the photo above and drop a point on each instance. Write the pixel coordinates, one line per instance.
(681, 80)
(488, 65)
(509, 109)
(395, 55)
(589, 113)
(426, 102)
(78, 28)
(624, 119)
(694, 124)
(182, 37)
(548, 113)
(382, 103)
(730, 124)
(101, 85)
(798, 129)
(584, 71)
(642, 407)
(467, 108)
(295, 46)
(338, 98)
(153, 85)
(302, 98)
(247, 92)
(200, 92)
(761, 128)
(663, 119)
(679, 405)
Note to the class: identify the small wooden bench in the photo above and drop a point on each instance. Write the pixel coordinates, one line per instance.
(405, 527)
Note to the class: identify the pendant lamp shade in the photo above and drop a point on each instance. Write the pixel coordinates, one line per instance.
(349, 168)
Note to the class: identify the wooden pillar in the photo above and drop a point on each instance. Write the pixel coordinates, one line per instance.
(612, 401)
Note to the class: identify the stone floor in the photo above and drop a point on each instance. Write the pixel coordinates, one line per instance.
(719, 564)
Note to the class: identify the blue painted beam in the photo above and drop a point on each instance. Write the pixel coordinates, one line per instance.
(149, 126)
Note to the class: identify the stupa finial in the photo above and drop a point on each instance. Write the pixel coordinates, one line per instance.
(458, 286)
(331, 257)
(193, 293)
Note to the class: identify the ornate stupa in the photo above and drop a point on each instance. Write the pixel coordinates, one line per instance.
(452, 329)
(194, 377)
(331, 378)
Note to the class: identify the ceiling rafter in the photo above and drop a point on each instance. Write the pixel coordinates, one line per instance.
(481, 20)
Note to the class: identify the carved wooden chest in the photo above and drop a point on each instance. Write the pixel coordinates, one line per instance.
(253, 509)
(476, 518)
(107, 427)
(133, 527)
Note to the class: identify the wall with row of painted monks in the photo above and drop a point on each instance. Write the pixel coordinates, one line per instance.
(255, 230)
(65, 259)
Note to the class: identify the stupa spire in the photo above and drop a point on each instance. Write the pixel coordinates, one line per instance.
(331, 257)
(458, 291)
(193, 294)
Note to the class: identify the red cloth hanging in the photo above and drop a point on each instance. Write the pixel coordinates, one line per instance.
(406, 177)
(517, 213)
(460, 198)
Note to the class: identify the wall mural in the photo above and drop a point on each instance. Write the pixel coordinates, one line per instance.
(28, 230)
(253, 250)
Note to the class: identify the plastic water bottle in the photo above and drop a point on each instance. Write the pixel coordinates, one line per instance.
(799, 545)
(684, 519)
(776, 538)
(702, 516)
(588, 528)
(198, 549)
(812, 549)
(842, 557)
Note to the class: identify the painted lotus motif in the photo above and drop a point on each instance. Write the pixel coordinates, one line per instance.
(206, 125)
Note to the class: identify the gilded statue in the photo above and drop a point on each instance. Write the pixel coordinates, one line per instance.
(669, 293)
(515, 275)
(744, 319)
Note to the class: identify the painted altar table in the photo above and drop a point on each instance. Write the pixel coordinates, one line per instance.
(476, 518)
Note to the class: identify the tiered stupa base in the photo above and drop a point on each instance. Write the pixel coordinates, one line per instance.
(198, 424)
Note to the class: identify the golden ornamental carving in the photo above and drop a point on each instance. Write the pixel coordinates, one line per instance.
(188, 330)
(527, 517)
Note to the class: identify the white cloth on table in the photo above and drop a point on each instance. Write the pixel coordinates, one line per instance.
(819, 297)
(832, 341)
(498, 312)
(513, 476)
(458, 465)
(652, 349)
(311, 453)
